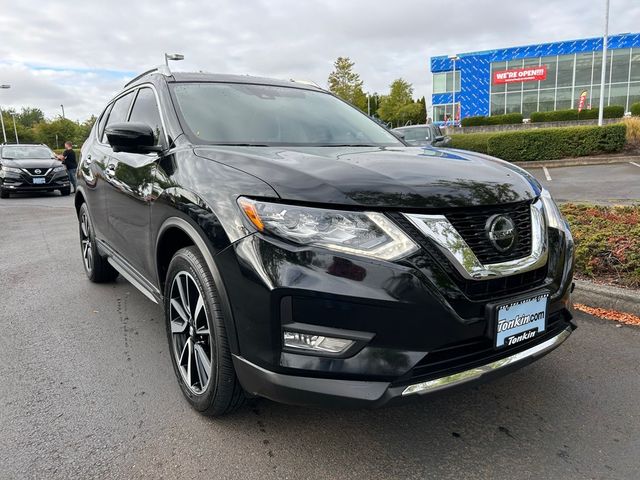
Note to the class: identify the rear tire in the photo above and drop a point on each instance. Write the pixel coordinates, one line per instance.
(197, 336)
(4, 193)
(65, 191)
(97, 268)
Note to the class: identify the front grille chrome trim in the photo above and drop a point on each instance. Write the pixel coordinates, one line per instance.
(461, 256)
(475, 373)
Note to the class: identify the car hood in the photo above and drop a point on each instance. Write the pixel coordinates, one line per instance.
(44, 163)
(399, 177)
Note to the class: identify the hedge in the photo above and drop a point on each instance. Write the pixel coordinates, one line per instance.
(509, 118)
(635, 109)
(545, 143)
(612, 111)
(476, 142)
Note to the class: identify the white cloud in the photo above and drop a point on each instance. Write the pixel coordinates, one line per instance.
(90, 48)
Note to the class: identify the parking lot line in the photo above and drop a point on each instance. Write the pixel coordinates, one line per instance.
(634, 163)
(546, 174)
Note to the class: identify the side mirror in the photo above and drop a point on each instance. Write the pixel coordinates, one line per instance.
(400, 135)
(132, 137)
(439, 138)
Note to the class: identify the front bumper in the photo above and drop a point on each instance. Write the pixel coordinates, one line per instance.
(308, 391)
(426, 326)
(24, 183)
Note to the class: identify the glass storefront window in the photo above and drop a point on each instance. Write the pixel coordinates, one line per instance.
(634, 93)
(551, 63)
(565, 71)
(563, 98)
(635, 65)
(547, 98)
(529, 103)
(576, 95)
(443, 113)
(514, 102)
(618, 94)
(620, 66)
(584, 65)
(516, 86)
(530, 62)
(440, 82)
(497, 103)
(497, 67)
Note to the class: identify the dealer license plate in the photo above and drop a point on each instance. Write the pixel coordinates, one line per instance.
(37, 180)
(522, 320)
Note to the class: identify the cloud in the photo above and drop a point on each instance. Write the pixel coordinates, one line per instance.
(80, 53)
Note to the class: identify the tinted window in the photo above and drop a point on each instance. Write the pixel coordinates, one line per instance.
(119, 111)
(416, 136)
(145, 110)
(26, 151)
(103, 121)
(246, 114)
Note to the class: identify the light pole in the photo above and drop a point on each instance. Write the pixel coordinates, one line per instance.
(15, 129)
(62, 107)
(604, 62)
(172, 56)
(453, 59)
(4, 133)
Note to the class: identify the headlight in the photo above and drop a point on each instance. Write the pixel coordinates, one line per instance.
(369, 234)
(554, 217)
(11, 169)
(59, 169)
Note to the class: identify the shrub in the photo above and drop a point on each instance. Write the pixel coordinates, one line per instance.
(607, 241)
(554, 143)
(633, 131)
(476, 142)
(612, 111)
(635, 109)
(509, 118)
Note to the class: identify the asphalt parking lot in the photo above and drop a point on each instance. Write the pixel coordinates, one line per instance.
(612, 184)
(87, 391)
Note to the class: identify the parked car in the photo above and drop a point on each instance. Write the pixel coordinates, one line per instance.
(421, 135)
(31, 168)
(305, 254)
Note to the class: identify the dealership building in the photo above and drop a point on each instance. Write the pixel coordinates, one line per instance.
(544, 77)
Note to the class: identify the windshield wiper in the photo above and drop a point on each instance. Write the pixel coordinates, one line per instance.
(242, 144)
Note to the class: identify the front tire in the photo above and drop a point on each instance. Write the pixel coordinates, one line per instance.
(97, 268)
(197, 336)
(4, 193)
(65, 191)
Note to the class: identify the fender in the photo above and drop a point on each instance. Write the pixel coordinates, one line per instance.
(201, 245)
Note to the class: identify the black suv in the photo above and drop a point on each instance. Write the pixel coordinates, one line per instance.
(304, 254)
(31, 168)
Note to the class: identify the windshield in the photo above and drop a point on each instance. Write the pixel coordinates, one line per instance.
(26, 151)
(264, 115)
(416, 136)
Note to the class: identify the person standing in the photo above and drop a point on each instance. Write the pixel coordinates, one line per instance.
(68, 157)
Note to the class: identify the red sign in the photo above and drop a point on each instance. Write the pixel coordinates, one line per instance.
(530, 74)
(583, 98)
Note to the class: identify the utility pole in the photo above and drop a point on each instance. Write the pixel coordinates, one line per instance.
(15, 129)
(604, 62)
(4, 133)
(62, 107)
(454, 58)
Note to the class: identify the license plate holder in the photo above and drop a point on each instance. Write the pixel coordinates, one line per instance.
(39, 180)
(520, 319)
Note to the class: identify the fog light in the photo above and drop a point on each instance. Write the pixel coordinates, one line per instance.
(315, 343)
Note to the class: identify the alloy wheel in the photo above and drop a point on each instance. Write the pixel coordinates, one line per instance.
(190, 332)
(85, 242)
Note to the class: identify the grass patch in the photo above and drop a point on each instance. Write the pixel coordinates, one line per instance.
(607, 242)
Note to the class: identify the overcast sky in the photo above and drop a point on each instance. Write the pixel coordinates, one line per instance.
(79, 53)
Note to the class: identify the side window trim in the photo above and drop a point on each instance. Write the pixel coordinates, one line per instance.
(157, 102)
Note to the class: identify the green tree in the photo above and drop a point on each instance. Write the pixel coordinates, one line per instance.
(346, 84)
(29, 116)
(391, 106)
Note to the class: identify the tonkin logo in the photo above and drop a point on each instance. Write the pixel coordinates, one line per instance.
(502, 232)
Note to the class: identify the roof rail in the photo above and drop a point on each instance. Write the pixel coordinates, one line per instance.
(161, 69)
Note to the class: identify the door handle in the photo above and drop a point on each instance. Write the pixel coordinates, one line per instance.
(87, 160)
(110, 170)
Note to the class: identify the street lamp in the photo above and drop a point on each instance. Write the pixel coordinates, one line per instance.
(172, 56)
(4, 133)
(15, 130)
(453, 59)
(604, 62)
(62, 107)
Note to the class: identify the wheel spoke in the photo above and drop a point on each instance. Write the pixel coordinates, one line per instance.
(183, 297)
(203, 365)
(198, 309)
(178, 308)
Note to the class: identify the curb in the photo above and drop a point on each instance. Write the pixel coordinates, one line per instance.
(578, 161)
(605, 296)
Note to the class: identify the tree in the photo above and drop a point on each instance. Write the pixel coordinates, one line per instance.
(391, 105)
(346, 84)
(29, 116)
